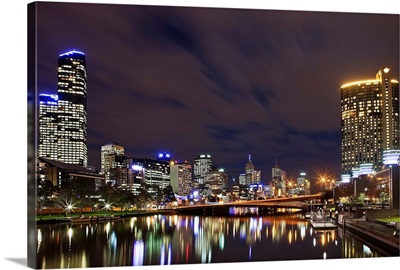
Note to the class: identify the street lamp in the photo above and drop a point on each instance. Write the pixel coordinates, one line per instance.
(329, 184)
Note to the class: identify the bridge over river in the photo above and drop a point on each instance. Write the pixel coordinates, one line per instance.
(268, 205)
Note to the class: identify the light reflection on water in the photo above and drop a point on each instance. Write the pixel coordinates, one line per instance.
(173, 239)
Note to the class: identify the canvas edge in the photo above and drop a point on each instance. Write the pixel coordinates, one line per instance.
(31, 136)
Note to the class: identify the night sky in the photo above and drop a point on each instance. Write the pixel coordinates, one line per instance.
(220, 81)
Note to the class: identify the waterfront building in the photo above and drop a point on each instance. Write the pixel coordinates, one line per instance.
(112, 157)
(48, 123)
(70, 176)
(181, 178)
(369, 124)
(156, 173)
(303, 184)
(72, 115)
(201, 166)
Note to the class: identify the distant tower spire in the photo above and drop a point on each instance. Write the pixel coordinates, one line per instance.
(276, 160)
(250, 158)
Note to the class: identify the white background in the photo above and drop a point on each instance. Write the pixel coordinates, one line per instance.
(13, 131)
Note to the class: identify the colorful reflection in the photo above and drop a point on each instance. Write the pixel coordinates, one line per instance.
(173, 239)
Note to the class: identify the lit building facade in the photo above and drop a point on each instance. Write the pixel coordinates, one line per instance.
(278, 183)
(112, 156)
(216, 181)
(156, 174)
(48, 123)
(369, 124)
(72, 116)
(251, 176)
(181, 178)
(242, 179)
(303, 184)
(249, 172)
(64, 175)
(202, 165)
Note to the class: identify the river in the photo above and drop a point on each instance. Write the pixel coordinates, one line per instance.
(175, 239)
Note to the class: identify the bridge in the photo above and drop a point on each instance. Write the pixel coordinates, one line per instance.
(297, 202)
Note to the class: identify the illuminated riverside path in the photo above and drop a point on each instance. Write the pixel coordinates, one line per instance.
(160, 239)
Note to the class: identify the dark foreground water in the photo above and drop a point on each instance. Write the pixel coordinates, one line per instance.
(173, 239)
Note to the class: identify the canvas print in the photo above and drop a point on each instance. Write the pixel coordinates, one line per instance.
(172, 135)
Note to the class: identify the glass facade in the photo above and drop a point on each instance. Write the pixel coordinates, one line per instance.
(72, 116)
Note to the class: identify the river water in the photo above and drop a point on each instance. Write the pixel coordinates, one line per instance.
(176, 239)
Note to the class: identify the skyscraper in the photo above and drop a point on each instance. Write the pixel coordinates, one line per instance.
(249, 172)
(370, 124)
(202, 165)
(112, 156)
(181, 178)
(48, 123)
(251, 175)
(72, 116)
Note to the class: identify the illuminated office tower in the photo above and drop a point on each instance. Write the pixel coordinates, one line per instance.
(48, 122)
(181, 178)
(202, 165)
(370, 124)
(303, 184)
(72, 117)
(112, 156)
(251, 176)
(249, 172)
(278, 183)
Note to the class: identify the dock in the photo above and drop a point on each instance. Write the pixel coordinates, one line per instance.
(318, 221)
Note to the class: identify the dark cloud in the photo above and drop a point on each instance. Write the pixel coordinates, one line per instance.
(229, 82)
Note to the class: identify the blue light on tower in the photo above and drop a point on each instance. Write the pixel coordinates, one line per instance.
(71, 53)
(164, 156)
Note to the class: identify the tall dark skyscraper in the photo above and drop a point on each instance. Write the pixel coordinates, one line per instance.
(370, 124)
(72, 116)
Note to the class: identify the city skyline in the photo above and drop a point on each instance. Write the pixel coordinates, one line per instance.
(208, 85)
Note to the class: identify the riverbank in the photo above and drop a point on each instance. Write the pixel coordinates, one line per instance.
(384, 237)
(102, 217)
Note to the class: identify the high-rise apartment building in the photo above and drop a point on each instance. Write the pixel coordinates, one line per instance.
(181, 178)
(202, 165)
(369, 124)
(112, 156)
(72, 116)
(48, 123)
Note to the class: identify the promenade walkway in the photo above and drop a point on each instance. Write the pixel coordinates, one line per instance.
(379, 234)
